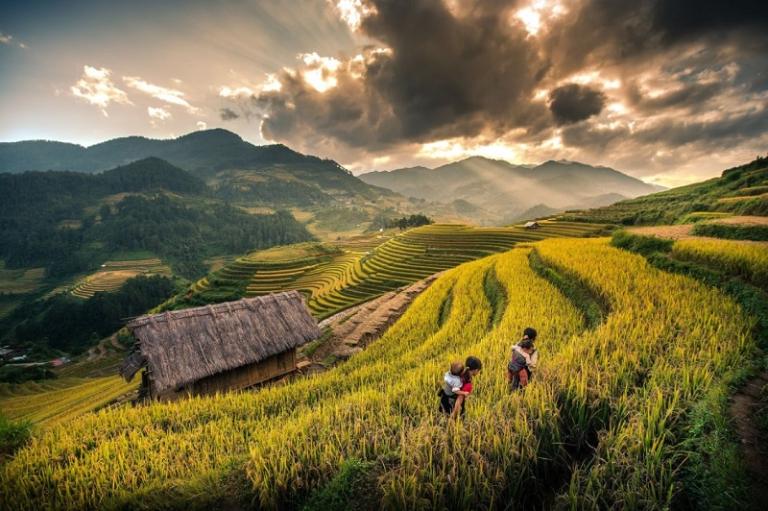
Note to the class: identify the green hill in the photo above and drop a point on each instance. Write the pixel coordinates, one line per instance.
(70, 222)
(740, 190)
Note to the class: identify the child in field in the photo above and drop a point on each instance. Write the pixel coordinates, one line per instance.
(452, 378)
(471, 368)
(451, 388)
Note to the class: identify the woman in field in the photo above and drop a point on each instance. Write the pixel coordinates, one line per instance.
(524, 359)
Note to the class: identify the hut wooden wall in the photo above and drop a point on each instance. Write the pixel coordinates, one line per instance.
(240, 377)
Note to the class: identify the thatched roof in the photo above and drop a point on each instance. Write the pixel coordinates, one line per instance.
(181, 347)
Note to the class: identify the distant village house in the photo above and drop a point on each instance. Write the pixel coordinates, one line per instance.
(219, 347)
(531, 225)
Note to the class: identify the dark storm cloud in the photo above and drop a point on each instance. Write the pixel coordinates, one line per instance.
(625, 32)
(573, 103)
(685, 19)
(716, 134)
(472, 70)
(227, 114)
(687, 96)
(443, 76)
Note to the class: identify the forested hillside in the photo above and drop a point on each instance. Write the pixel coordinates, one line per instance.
(69, 222)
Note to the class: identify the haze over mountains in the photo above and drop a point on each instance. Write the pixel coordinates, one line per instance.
(476, 189)
(514, 191)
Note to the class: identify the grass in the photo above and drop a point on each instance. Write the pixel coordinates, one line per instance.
(13, 435)
(351, 488)
(57, 401)
(732, 231)
(602, 423)
(20, 281)
(738, 191)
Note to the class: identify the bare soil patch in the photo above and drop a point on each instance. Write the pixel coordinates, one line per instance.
(673, 232)
(741, 220)
(355, 328)
(744, 409)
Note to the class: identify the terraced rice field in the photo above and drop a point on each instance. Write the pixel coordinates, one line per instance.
(113, 275)
(610, 437)
(367, 266)
(420, 252)
(50, 402)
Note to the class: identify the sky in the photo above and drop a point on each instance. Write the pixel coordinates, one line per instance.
(670, 91)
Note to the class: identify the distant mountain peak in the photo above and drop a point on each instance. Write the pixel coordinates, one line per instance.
(212, 135)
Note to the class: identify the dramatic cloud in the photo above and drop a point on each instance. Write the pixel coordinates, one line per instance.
(5, 38)
(96, 87)
(573, 103)
(164, 94)
(527, 78)
(435, 76)
(652, 87)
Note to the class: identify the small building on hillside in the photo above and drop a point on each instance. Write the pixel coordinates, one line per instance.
(214, 348)
(531, 225)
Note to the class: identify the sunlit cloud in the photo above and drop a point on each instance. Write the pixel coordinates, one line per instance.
(235, 92)
(270, 84)
(97, 88)
(202, 125)
(539, 14)
(164, 94)
(320, 72)
(352, 12)
(161, 114)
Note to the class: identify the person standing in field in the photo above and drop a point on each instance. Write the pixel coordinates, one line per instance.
(524, 359)
(472, 367)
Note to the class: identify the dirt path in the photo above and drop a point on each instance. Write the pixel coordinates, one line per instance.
(355, 328)
(744, 407)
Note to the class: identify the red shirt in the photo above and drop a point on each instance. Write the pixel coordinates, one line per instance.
(467, 387)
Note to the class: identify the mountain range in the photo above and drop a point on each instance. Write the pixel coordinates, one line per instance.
(509, 191)
(268, 174)
(476, 189)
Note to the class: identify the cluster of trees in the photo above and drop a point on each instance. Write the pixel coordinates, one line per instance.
(184, 235)
(66, 323)
(407, 222)
(271, 191)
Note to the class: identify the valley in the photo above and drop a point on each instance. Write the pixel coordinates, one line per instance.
(343, 427)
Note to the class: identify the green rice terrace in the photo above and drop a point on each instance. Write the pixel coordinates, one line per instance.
(335, 277)
(113, 274)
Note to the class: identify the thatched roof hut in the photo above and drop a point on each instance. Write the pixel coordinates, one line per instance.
(182, 348)
(531, 225)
